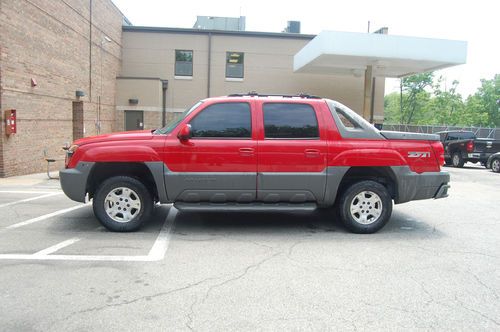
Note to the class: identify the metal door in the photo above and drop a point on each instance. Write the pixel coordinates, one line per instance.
(134, 120)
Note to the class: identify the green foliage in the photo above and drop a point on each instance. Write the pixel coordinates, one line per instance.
(424, 102)
(487, 101)
(415, 97)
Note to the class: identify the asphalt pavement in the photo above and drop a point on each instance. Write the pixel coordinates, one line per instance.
(435, 266)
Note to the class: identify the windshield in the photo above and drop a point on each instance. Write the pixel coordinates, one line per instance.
(176, 120)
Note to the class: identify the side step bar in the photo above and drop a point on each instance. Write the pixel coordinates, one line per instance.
(245, 207)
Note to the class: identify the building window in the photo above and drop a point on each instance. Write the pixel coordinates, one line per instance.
(290, 121)
(234, 64)
(224, 120)
(183, 63)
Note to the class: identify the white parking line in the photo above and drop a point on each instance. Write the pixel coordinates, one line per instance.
(86, 258)
(160, 246)
(29, 199)
(26, 192)
(46, 216)
(54, 248)
(157, 252)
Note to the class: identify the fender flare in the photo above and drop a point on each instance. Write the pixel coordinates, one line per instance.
(120, 153)
(368, 157)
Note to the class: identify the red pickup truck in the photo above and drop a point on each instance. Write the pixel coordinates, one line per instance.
(254, 152)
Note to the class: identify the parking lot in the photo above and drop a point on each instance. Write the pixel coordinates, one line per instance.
(436, 265)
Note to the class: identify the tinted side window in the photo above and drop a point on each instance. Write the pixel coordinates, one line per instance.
(226, 120)
(289, 120)
(453, 136)
(346, 120)
(466, 135)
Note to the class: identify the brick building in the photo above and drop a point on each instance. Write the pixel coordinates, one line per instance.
(49, 49)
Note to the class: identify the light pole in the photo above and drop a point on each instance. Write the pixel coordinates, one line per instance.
(105, 39)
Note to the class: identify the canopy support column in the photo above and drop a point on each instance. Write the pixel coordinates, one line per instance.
(368, 93)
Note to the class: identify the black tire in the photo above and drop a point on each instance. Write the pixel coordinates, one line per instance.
(447, 162)
(128, 192)
(457, 160)
(373, 222)
(495, 165)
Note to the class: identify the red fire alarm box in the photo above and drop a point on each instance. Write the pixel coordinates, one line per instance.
(10, 122)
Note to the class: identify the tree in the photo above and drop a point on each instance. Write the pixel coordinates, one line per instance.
(487, 101)
(391, 108)
(421, 105)
(414, 95)
(447, 107)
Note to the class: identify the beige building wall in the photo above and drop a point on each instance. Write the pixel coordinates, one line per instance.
(59, 44)
(268, 68)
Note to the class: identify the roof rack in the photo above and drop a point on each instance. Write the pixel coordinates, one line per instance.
(255, 94)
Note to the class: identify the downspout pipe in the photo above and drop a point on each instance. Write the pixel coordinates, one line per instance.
(164, 87)
(209, 66)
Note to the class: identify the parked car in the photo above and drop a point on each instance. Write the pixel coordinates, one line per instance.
(494, 162)
(463, 146)
(257, 153)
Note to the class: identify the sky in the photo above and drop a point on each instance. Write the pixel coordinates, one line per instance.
(477, 22)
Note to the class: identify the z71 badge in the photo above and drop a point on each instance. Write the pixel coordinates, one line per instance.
(417, 154)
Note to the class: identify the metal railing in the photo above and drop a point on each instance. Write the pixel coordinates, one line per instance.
(480, 132)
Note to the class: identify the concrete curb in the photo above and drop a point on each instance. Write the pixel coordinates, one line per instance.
(37, 179)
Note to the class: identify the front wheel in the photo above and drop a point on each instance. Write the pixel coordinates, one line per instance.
(495, 165)
(122, 204)
(365, 207)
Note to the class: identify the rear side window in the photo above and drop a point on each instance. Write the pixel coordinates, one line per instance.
(347, 121)
(290, 120)
(453, 136)
(224, 120)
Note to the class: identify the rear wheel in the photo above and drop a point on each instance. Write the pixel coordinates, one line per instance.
(457, 160)
(365, 207)
(122, 204)
(495, 165)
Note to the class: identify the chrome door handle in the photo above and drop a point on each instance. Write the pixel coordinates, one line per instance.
(247, 151)
(312, 153)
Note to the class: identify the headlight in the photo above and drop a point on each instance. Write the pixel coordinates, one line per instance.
(69, 153)
(72, 148)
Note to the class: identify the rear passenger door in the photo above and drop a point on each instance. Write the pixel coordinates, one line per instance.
(292, 153)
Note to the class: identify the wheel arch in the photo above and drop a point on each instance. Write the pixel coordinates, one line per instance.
(380, 174)
(144, 172)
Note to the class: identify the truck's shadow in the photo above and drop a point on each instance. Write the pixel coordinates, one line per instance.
(227, 223)
(476, 167)
(288, 224)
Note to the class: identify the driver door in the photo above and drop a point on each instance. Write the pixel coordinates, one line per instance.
(218, 163)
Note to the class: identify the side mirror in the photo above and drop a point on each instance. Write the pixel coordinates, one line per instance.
(185, 133)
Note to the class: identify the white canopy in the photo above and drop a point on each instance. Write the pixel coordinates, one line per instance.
(351, 53)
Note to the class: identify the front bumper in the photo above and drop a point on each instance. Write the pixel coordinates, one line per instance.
(413, 186)
(74, 181)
